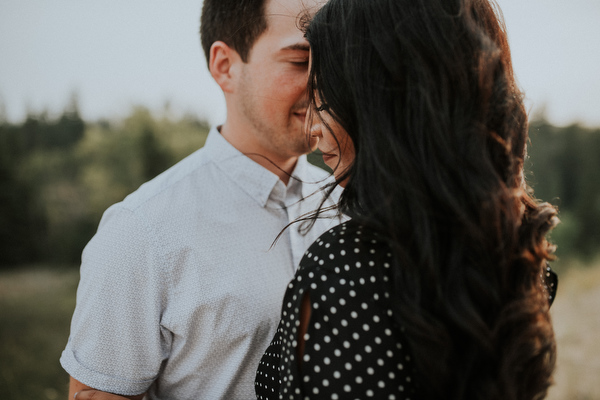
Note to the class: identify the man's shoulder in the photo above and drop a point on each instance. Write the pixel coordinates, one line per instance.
(180, 181)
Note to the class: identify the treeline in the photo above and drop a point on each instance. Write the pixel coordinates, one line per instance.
(58, 175)
(564, 169)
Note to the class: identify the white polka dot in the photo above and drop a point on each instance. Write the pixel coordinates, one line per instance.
(381, 384)
(325, 382)
(347, 388)
(369, 393)
(358, 379)
(342, 301)
(336, 374)
(368, 349)
(370, 371)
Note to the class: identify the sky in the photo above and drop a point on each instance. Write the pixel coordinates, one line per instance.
(116, 54)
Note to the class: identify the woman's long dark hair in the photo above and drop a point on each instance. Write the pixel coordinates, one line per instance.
(425, 89)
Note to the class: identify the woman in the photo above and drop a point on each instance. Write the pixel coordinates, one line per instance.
(432, 289)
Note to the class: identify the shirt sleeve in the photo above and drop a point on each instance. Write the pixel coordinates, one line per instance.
(352, 345)
(116, 342)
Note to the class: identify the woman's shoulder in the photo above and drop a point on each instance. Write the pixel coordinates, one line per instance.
(347, 250)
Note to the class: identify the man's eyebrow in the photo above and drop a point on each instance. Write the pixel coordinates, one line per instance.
(298, 47)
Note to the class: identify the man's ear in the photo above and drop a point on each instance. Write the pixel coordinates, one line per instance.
(224, 65)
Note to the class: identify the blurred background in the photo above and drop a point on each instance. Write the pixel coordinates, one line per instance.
(98, 97)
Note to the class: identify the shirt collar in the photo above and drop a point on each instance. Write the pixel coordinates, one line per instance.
(258, 182)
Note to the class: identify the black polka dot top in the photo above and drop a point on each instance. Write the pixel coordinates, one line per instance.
(353, 348)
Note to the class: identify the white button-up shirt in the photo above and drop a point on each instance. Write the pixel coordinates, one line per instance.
(181, 288)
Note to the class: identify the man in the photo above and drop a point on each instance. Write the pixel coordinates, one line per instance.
(181, 288)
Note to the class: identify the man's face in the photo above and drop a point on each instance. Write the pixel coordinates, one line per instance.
(273, 83)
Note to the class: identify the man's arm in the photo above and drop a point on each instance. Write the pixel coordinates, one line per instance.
(85, 392)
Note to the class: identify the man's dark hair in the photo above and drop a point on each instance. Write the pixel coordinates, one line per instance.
(238, 23)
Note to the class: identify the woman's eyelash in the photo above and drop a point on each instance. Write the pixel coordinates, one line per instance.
(322, 107)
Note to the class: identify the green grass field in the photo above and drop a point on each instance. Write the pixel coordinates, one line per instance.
(35, 312)
(36, 306)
